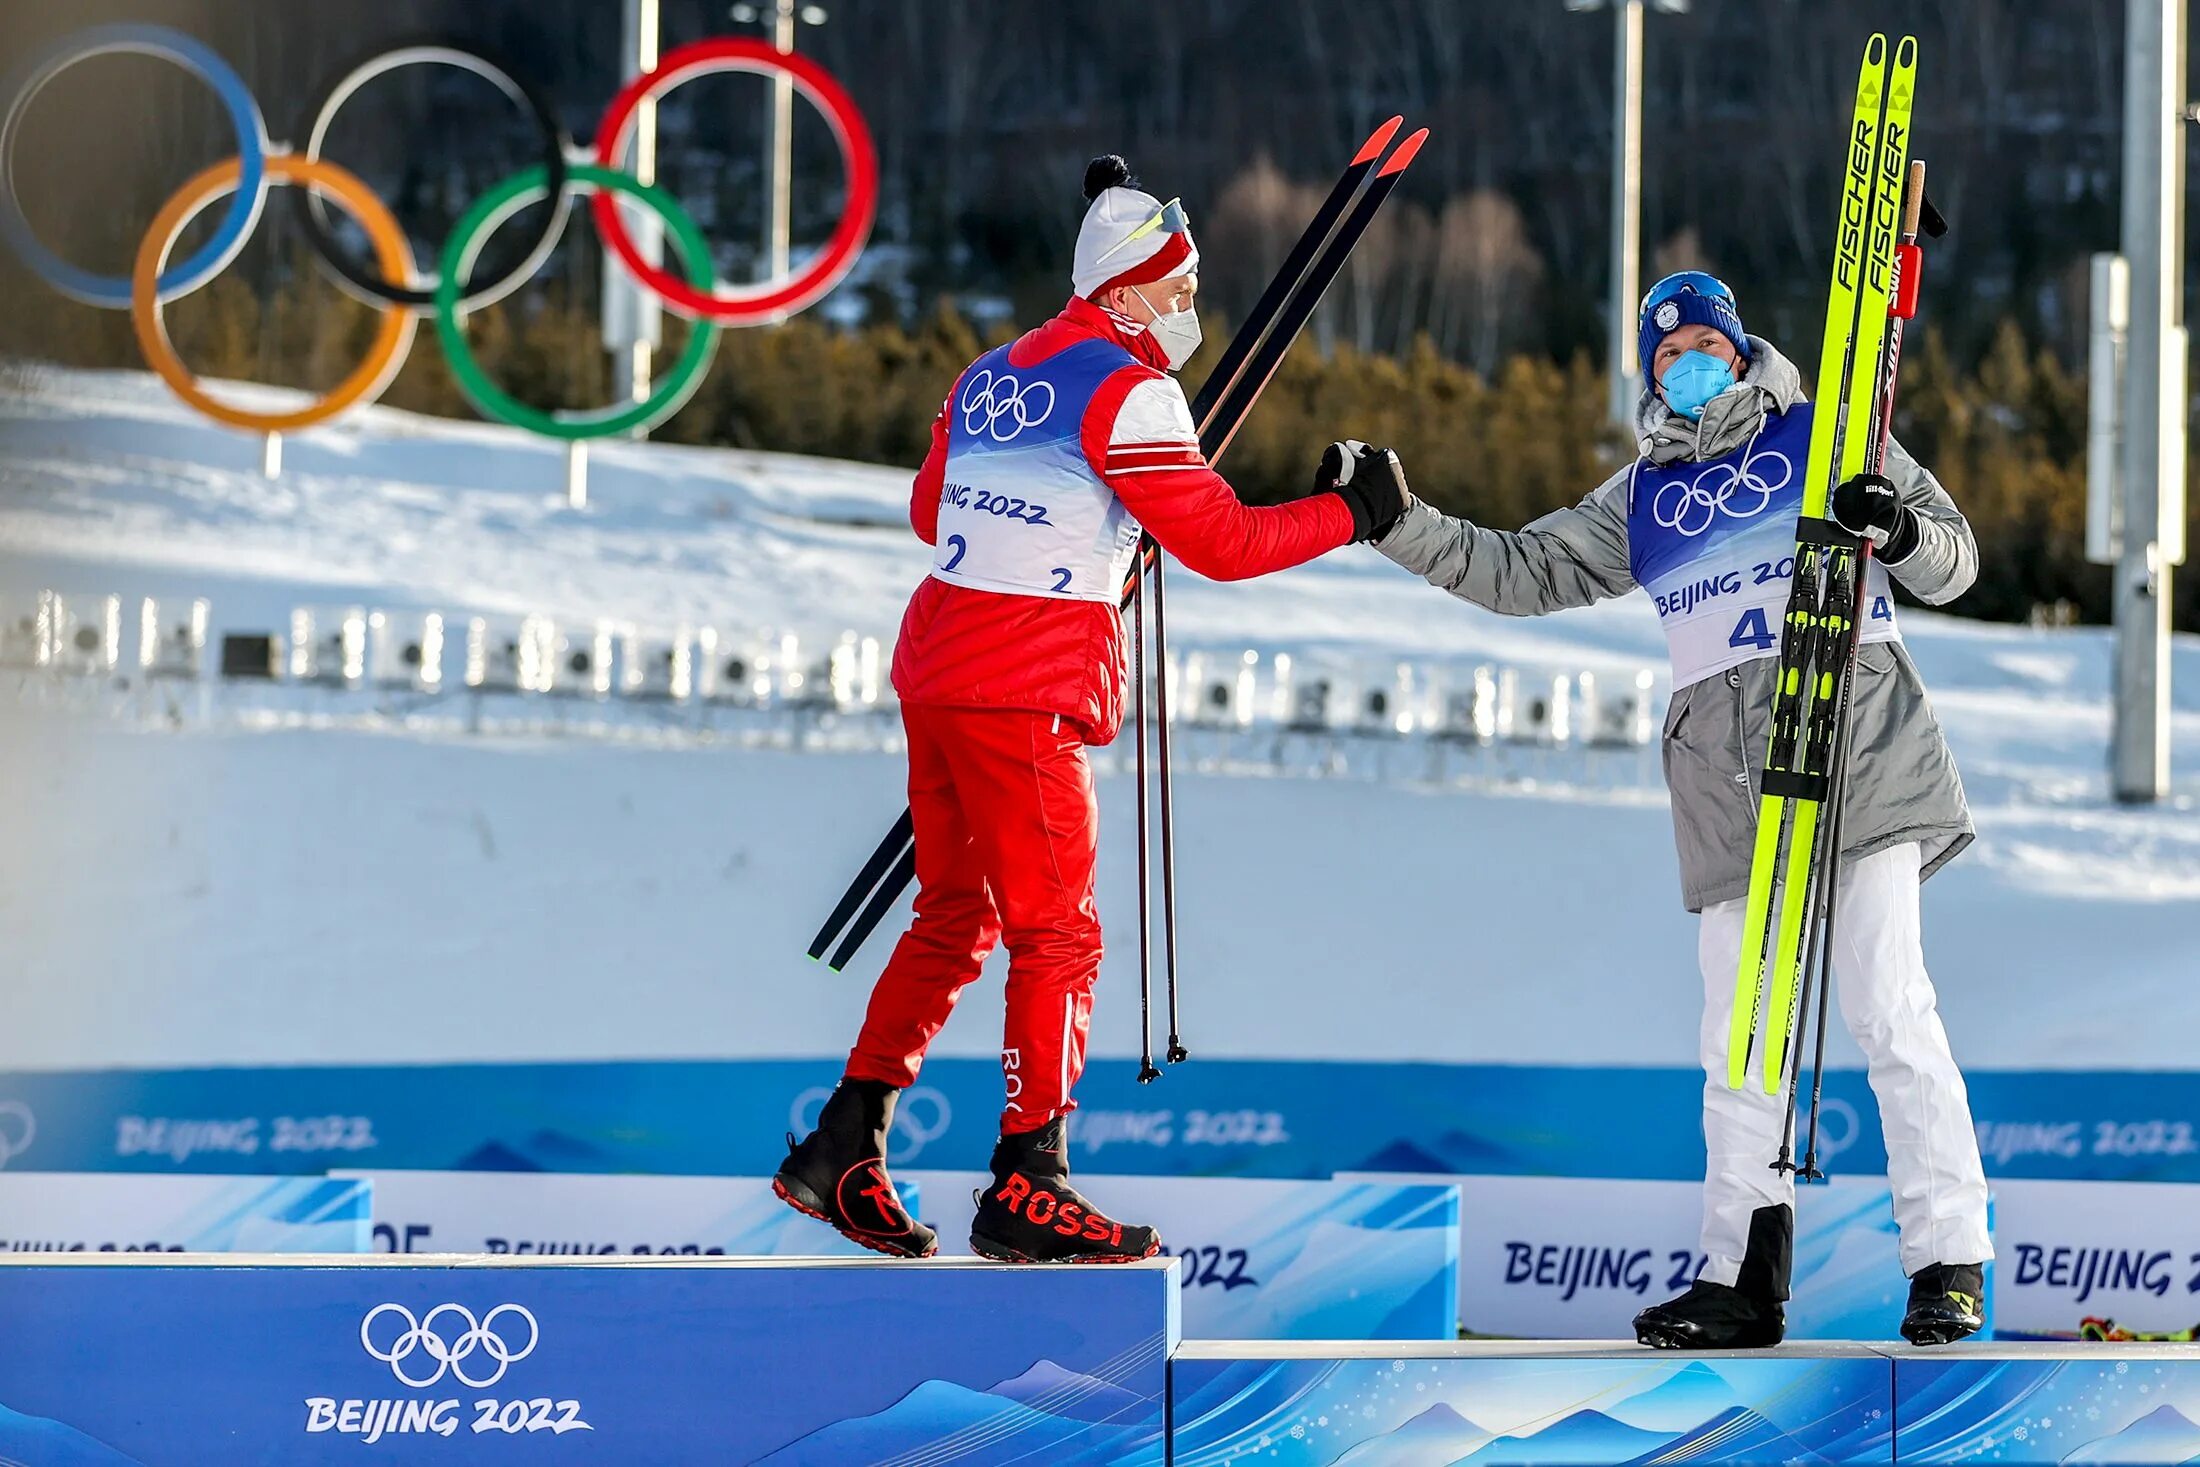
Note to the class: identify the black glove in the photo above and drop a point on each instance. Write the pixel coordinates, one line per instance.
(1369, 481)
(1870, 505)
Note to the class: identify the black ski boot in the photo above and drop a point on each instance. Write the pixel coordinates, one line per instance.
(837, 1173)
(1031, 1214)
(1944, 1303)
(1747, 1316)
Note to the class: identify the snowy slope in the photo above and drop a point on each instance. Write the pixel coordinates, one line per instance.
(355, 894)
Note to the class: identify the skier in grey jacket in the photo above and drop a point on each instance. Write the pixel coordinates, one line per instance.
(1704, 520)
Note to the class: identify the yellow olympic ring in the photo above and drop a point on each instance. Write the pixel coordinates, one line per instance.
(384, 356)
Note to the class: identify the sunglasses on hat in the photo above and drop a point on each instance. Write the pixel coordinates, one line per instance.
(1685, 282)
(1168, 219)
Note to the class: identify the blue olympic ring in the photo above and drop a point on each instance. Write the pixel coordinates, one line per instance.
(113, 291)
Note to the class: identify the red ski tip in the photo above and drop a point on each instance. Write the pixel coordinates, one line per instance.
(1378, 140)
(1404, 155)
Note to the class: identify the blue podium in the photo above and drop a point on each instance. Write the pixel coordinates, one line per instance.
(184, 1361)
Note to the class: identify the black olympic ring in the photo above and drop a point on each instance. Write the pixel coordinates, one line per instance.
(360, 279)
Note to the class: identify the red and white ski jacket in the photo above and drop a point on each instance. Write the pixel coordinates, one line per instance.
(969, 648)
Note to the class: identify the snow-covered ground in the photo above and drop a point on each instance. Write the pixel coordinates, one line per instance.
(214, 895)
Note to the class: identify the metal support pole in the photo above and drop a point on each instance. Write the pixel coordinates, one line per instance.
(2154, 394)
(632, 318)
(779, 148)
(1626, 205)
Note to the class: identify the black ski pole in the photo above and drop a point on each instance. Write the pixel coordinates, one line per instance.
(1177, 1053)
(1837, 789)
(1785, 1161)
(1148, 1072)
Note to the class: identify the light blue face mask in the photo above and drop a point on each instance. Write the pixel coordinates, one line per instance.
(1693, 380)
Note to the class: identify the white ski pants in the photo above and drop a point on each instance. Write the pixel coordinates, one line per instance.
(1887, 1001)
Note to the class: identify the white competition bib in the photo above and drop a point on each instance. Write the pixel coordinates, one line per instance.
(1714, 545)
(1021, 510)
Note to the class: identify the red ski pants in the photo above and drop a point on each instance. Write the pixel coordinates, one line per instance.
(1006, 833)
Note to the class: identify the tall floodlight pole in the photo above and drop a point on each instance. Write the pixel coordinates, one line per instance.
(1626, 204)
(2154, 402)
(632, 318)
(779, 17)
(1627, 18)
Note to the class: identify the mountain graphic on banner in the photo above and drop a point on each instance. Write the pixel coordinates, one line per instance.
(2164, 1434)
(1689, 1396)
(937, 1415)
(1048, 1387)
(1585, 1436)
(1438, 1434)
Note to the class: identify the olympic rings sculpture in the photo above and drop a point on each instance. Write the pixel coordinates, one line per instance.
(392, 281)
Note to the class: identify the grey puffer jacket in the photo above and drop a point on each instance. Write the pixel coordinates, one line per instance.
(1903, 784)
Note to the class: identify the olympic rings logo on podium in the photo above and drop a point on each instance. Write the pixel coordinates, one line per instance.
(392, 281)
(421, 1335)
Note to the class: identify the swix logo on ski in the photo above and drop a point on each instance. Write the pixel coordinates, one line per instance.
(2082, 1269)
(1040, 1207)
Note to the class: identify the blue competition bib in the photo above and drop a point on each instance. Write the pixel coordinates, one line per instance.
(1714, 545)
(1021, 510)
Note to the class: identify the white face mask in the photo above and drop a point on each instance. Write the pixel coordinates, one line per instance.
(1177, 332)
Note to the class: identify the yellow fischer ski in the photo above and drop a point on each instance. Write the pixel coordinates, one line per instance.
(1816, 632)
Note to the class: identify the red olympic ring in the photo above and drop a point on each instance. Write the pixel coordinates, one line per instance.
(784, 296)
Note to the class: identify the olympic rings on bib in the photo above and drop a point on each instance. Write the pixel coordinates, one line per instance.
(507, 199)
(1690, 506)
(384, 356)
(802, 289)
(392, 280)
(377, 290)
(987, 400)
(113, 291)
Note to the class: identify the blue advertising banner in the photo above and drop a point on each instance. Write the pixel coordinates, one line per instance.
(1391, 1406)
(82, 1212)
(1263, 1118)
(1576, 1258)
(795, 1365)
(582, 1215)
(1277, 1260)
(2050, 1404)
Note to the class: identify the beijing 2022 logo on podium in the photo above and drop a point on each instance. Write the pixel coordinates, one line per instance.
(393, 281)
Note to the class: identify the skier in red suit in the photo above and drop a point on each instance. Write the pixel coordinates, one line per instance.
(1049, 458)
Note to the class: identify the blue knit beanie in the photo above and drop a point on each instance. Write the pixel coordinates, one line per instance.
(1686, 307)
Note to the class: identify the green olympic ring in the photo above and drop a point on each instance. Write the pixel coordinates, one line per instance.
(463, 249)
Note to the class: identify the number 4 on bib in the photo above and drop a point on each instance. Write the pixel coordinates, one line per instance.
(1753, 631)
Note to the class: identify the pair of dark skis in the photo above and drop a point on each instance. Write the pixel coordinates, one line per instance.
(1224, 400)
